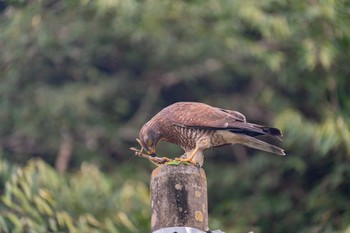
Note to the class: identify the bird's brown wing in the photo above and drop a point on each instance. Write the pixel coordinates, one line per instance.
(203, 116)
(191, 114)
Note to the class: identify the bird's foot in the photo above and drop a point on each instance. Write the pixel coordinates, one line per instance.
(185, 160)
(159, 161)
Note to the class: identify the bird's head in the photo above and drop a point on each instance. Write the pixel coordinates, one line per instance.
(149, 137)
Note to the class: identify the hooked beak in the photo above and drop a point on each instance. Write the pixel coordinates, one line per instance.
(152, 152)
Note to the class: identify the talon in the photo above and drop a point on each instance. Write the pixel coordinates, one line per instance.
(167, 159)
(188, 159)
(158, 161)
(185, 160)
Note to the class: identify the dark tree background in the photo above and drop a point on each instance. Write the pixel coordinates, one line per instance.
(78, 78)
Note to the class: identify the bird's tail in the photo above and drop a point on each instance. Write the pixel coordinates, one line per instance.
(257, 144)
(260, 145)
(254, 130)
(274, 132)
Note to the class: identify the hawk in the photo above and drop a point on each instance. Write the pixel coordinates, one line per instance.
(196, 127)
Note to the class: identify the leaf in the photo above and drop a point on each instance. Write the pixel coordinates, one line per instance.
(18, 226)
(43, 206)
(175, 163)
(63, 219)
(3, 225)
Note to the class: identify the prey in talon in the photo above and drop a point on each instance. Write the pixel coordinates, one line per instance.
(155, 160)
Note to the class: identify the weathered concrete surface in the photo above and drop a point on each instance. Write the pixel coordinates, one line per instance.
(179, 197)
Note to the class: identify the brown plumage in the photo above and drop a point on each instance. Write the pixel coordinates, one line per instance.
(196, 127)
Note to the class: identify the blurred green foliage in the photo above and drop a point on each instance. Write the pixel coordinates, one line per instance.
(78, 78)
(39, 199)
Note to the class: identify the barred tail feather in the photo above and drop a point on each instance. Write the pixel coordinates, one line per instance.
(249, 141)
(260, 145)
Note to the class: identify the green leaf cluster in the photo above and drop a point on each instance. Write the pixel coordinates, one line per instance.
(36, 198)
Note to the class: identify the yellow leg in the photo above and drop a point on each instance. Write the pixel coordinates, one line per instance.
(190, 158)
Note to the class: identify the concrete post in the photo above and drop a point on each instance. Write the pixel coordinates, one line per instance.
(179, 197)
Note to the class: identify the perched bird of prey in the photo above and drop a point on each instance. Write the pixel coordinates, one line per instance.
(196, 127)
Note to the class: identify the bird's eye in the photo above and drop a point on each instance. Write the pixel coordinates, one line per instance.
(149, 143)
